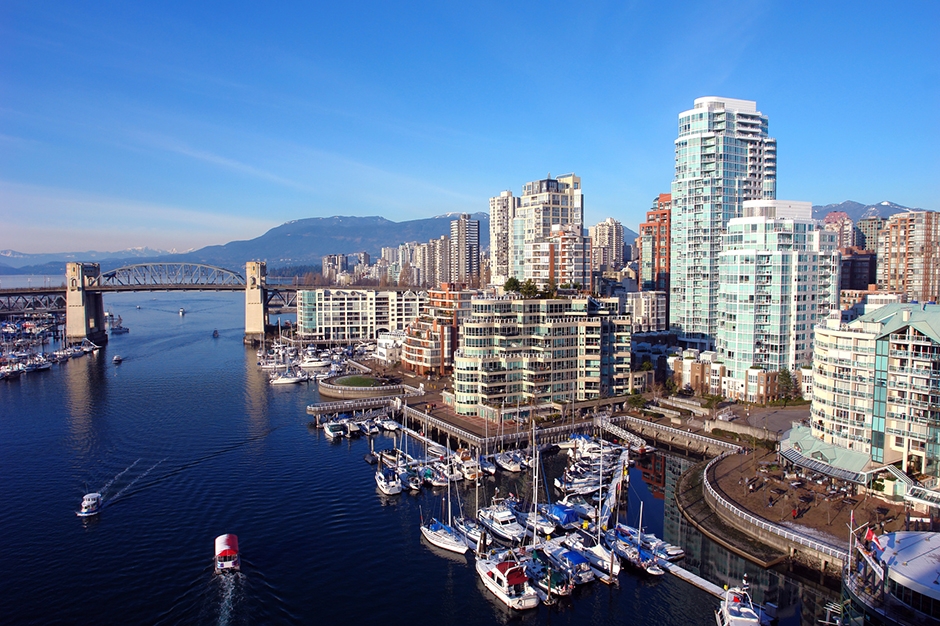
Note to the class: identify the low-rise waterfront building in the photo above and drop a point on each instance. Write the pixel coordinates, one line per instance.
(516, 351)
(344, 315)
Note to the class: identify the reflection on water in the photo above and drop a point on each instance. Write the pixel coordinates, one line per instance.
(800, 601)
(201, 445)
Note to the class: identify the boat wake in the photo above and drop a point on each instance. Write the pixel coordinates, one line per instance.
(185, 466)
(133, 482)
(104, 490)
(228, 590)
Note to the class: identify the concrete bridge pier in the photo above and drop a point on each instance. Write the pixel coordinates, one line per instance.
(84, 310)
(256, 301)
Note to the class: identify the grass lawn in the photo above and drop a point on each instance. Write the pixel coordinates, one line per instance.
(356, 381)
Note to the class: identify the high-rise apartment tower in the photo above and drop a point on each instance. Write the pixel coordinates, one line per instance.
(724, 156)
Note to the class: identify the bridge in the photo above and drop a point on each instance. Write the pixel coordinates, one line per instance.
(83, 304)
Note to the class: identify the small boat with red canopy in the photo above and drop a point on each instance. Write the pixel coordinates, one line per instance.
(226, 554)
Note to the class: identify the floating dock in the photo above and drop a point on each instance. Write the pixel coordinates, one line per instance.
(693, 579)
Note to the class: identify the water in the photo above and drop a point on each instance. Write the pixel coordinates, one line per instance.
(187, 441)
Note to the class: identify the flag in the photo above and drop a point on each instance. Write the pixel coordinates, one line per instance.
(870, 536)
(852, 521)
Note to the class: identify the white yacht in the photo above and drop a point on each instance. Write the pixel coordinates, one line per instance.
(388, 481)
(507, 580)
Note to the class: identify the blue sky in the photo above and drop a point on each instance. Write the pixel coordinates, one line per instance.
(179, 125)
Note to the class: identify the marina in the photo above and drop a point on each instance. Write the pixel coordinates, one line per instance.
(229, 454)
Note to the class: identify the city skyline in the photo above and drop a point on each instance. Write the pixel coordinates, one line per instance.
(172, 128)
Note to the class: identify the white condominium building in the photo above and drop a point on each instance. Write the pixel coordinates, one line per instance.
(778, 278)
(544, 203)
(345, 315)
(502, 211)
(724, 156)
(607, 245)
(563, 258)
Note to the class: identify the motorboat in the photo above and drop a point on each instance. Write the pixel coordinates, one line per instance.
(388, 481)
(487, 466)
(226, 554)
(471, 469)
(580, 505)
(603, 561)
(389, 424)
(501, 522)
(353, 430)
(410, 480)
(508, 461)
(533, 521)
(315, 362)
(550, 580)
(369, 427)
(118, 328)
(443, 536)
(334, 430)
(215, 334)
(91, 505)
(574, 564)
(736, 608)
(117, 359)
(652, 543)
(288, 377)
(625, 546)
(182, 311)
(563, 516)
(471, 530)
(507, 580)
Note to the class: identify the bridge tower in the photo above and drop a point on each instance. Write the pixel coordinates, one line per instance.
(84, 309)
(256, 301)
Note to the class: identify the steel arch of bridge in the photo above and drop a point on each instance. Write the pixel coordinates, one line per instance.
(145, 276)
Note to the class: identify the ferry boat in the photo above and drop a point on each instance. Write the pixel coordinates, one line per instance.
(91, 505)
(891, 580)
(226, 554)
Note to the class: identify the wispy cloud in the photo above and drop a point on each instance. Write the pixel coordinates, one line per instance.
(43, 219)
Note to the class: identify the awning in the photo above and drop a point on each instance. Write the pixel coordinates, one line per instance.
(921, 495)
(792, 455)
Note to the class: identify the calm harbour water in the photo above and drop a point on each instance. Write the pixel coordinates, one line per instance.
(188, 441)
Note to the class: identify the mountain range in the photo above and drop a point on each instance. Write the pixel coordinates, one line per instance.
(857, 210)
(307, 241)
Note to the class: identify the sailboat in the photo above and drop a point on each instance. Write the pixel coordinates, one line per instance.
(442, 535)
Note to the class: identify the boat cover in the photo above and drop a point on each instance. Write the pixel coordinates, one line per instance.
(226, 545)
(514, 573)
(564, 515)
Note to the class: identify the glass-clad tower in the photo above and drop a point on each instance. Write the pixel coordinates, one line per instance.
(724, 156)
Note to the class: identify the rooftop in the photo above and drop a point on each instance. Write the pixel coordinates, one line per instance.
(913, 560)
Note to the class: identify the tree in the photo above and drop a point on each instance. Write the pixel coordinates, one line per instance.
(550, 290)
(512, 284)
(529, 289)
(404, 276)
(637, 401)
(784, 385)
